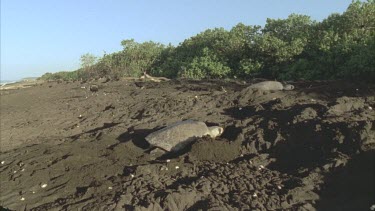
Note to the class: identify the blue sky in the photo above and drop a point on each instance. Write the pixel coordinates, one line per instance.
(39, 36)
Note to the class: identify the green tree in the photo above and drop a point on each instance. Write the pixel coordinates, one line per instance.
(139, 57)
(282, 42)
(340, 46)
(343, 45)
(239, 50)
(206, 66)
(87, 60)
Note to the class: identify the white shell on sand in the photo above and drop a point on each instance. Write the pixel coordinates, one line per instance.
(176, 136)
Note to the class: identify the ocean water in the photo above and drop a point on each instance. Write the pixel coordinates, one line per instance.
(3, 82)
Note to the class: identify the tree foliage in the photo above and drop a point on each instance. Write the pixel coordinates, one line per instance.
(87, 60)
(340, 46)
(205, 66)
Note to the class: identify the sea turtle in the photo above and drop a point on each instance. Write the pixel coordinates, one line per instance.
(176, 136)
(271, 86)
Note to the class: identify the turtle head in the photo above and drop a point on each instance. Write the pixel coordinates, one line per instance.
(215, 131)
(288, 87)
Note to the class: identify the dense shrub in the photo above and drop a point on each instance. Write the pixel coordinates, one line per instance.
(205, 66)
(340, 46)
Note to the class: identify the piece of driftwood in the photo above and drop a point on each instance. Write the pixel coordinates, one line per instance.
(155, 79)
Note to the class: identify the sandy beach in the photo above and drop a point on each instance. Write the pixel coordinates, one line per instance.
(64, 147)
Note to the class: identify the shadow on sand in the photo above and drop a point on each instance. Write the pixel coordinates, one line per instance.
(352, 187)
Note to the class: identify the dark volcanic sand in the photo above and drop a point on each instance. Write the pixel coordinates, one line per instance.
(311, 148)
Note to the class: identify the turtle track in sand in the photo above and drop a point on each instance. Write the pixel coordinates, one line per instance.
(310, 148)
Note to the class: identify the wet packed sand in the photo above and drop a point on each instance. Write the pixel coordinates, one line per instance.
(66, 148)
